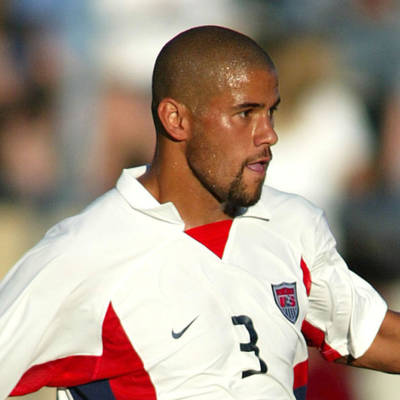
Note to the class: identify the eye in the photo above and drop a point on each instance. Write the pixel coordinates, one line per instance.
(245, 113)
(272, 110)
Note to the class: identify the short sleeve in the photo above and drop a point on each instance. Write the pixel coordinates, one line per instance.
(345, 311)
(43, 308)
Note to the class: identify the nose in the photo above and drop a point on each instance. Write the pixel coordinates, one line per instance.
(265, 133)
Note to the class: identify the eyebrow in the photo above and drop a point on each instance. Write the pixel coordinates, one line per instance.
(257, 105)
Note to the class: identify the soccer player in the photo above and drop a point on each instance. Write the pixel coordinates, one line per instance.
(191, 279)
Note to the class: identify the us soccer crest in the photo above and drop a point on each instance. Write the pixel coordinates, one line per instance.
(285, 295)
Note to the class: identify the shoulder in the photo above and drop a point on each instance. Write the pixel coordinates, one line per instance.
(289, 206)
(86, 230)
(296, 221)
(75, 248)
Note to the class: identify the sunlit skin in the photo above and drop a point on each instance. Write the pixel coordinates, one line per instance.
(230, 149)
(216, 158)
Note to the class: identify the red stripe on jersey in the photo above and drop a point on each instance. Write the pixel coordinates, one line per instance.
(214, 236)
(306, 276)
(119, 363)
(316, 337)
(300, 374)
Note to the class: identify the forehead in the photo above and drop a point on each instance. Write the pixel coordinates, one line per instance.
(246, 85)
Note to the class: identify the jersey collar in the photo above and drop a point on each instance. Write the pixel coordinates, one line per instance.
(260, 210)
(141, 200)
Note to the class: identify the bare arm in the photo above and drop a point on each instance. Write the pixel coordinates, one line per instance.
(384, 353)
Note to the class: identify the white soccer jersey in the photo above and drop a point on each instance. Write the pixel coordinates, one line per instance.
(120, 303)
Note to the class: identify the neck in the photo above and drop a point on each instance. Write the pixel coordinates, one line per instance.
(170, 179)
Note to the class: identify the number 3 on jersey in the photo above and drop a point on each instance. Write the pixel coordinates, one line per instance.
(251, 346)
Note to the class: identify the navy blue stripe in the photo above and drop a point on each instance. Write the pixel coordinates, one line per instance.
(300, 392)
(98, 390)
(101, 390)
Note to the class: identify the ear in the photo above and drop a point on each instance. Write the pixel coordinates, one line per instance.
(175, 118)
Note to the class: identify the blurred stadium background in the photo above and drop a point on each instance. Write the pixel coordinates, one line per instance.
(75, 110)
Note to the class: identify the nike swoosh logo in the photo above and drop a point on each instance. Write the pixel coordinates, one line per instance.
(177, 335)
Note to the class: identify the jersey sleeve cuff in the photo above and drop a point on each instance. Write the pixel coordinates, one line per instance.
(365, 325)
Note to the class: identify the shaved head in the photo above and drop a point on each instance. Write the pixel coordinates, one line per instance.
(200, 62)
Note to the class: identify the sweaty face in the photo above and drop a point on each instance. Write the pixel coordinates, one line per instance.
(229, 151)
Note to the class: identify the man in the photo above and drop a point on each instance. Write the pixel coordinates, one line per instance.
(191, 279)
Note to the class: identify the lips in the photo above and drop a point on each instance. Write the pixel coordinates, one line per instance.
(259, 166)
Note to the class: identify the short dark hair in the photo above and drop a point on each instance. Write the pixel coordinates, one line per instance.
(192, 62)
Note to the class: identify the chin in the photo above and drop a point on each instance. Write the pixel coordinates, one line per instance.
(252, 198)
(235, 204)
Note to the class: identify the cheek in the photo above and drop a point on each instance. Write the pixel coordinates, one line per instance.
(222, 139)
(207, 160)
(217, 149)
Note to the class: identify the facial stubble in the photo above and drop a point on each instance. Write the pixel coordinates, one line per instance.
(233, 198)
(239, 196)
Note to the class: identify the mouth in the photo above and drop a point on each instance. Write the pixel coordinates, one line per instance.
(259, 166)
